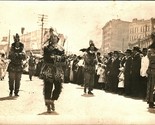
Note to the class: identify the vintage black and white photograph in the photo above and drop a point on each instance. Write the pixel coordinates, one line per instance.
(77, 62)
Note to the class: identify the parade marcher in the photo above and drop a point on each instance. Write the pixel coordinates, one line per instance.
(90, 62)
(151, 73)
(52, 71)
(127, 72)
(15, 67)
(32, 66)
(143, 73)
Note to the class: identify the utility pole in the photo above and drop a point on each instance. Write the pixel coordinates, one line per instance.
(42, 20)
(8, 47)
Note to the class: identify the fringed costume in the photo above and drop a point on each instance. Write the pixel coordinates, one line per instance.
(52, 72)
(90, 62)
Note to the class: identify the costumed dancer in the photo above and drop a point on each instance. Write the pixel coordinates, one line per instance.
(52, 72)
(15, 67)
(90, 62)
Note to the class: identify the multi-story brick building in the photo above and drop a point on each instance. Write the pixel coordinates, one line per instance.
(139, 32)
(115, 36)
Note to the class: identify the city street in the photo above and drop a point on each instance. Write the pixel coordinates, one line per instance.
(72, 107)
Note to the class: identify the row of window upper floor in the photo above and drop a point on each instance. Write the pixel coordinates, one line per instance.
(140, 29)
(136, 37)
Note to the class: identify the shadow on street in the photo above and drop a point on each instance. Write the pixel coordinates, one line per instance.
(8, 98)
(46, 113)
(87, 95)
(79, 88)
(151, 110)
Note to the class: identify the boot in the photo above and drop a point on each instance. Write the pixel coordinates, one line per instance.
(16, 94)
(10, 94)
(89, 92)
(151, 104)
(47, 103)
(85, 89)
(52, 105)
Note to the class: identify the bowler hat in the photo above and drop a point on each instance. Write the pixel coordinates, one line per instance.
(128, 51)
(136, 48)
(116, 52)
(144, 49)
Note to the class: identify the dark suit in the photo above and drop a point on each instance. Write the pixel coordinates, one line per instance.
(127, 75)
(114, 72)
(136, 65)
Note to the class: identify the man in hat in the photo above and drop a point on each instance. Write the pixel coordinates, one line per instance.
(114, 72)
(108, 64)
(136, 65)
(127, 72)
(15, 67)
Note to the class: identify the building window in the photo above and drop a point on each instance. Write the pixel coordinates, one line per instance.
(148, 28)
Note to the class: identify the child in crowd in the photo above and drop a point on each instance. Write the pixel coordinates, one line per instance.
(101, 74)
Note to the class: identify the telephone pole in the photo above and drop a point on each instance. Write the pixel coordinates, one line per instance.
(42, 20)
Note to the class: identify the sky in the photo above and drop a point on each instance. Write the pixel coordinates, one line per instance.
(79, 21)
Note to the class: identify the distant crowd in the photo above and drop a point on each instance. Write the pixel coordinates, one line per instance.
(118, 72)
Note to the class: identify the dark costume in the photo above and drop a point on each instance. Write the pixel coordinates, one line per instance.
(52, 72)
(89, 70)
(15, 67)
